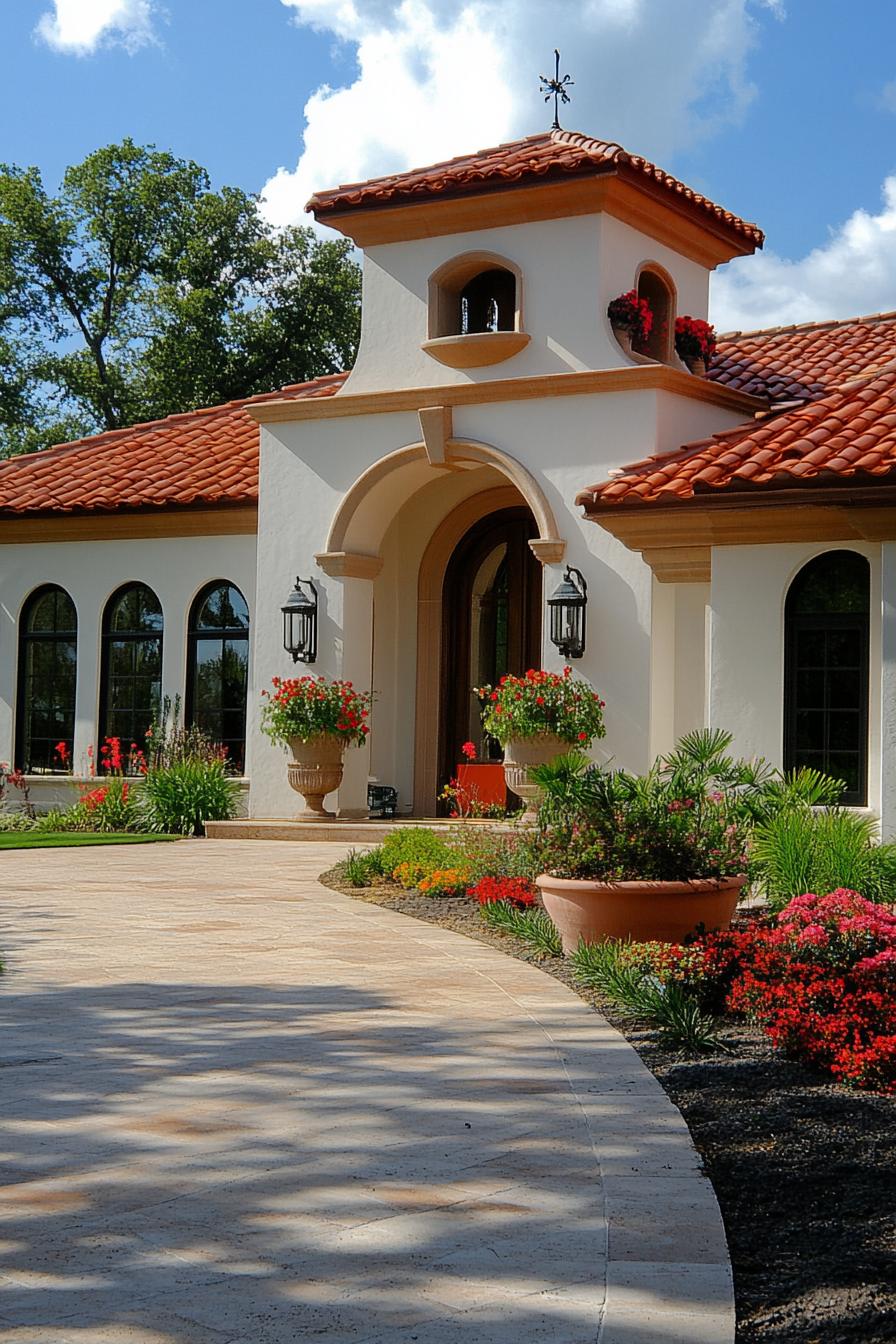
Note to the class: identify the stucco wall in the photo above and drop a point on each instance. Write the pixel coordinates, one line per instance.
(748, 592)
(571, 269)
(565, 443)
(175, 568)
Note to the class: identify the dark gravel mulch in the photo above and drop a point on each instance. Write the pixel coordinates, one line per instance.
(804, 1171)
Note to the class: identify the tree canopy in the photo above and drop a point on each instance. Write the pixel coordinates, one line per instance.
(137, 292)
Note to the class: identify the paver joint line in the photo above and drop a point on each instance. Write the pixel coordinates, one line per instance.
(314, 1115)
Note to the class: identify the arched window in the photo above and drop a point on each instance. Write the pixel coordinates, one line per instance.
(476, 292)
(656, 287)
(218, 676)
(131, 678)
(48, 662)
(488, 302)
(826, 670)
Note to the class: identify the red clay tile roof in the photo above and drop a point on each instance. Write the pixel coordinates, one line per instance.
(795, 363)
(207, 456)
(537, 158)
(848, 434)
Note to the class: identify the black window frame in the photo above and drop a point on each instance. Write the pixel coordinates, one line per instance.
(22, 710)
(195, 635)
(110, 636)
(796, 623)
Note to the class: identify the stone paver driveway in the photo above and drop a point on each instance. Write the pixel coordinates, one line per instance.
(238, 1107)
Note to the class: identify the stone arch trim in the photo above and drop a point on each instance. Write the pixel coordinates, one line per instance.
(340, 559)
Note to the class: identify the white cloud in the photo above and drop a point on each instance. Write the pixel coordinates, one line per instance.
(78, 27)
(851, 274)
(441, 77)
(887, 97)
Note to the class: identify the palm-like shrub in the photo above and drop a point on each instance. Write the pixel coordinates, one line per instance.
(179, 798)
(689, 816)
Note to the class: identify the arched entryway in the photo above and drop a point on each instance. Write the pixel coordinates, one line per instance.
(491, 619)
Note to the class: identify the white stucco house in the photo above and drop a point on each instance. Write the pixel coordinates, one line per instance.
(735, 531)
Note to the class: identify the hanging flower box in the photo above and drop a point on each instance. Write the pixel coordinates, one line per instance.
(695, 343)
(631, 318)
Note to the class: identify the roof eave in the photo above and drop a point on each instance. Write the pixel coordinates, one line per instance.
(616, 189)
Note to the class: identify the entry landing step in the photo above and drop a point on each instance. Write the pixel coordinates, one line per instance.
(352, 831)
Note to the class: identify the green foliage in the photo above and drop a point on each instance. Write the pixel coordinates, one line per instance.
(42, 839)
(15, 822)
(418, 845)
(137, 291)
(688, 817)
(531, 926)
(57, 821)
(484, 851)
(566, 788)
(670, 1007)
(112, 806)
(180, 798)
(628, 827)
(359, 869)
(170, 742)
(799, 850)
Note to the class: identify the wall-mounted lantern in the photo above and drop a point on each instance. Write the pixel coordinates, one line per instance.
(567, 604)
(300, 622)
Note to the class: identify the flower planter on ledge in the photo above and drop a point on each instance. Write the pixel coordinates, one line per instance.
(314, 771)
(522, 753)
(644, 911)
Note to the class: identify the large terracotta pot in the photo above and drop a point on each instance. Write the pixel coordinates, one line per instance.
(521, 753)
(314, 771)
(644, 911)
(696, 364)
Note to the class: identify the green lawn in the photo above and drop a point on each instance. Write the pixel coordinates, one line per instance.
(54, 839)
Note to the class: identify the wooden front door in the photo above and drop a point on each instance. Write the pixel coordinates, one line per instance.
(491, 606)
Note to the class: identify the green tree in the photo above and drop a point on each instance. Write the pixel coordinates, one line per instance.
(138, 291)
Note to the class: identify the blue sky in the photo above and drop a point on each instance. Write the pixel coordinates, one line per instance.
(783, 110)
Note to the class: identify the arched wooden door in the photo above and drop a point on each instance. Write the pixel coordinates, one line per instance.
(491, 605)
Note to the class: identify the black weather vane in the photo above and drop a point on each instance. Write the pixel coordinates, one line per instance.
(556, 88)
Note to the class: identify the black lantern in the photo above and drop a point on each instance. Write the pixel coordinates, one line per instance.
(300, 622)
(567, 604)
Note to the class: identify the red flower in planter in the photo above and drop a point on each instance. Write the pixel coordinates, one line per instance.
(694, 338)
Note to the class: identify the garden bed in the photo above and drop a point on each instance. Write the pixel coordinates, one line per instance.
(64, 839)
(804, 1170)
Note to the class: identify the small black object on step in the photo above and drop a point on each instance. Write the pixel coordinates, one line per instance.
(382, 800)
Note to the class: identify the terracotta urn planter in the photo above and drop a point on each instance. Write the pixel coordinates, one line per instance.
(697, 365)
(519, 755)
(314, 771)
(644, 911)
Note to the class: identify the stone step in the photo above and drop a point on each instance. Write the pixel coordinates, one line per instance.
(351, 831)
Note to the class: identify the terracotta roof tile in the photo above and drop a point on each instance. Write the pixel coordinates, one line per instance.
(848, 433)
(209, 456)
(803, 362)
(538, 158)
